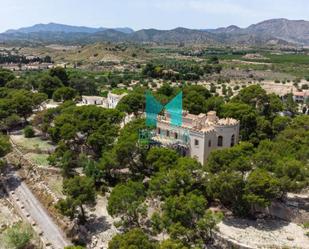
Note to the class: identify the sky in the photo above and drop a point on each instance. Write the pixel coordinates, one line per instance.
(139, 14)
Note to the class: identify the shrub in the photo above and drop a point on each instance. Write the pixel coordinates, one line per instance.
(18, 236)
(305, 87)
(29, 132)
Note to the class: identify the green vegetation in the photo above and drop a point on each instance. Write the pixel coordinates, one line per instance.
(135, 238)
(29, 132)
(18, 236)
(80, 191)
(170, 69)
(5, 145)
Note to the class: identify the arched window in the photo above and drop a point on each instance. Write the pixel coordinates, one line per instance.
(220, 141)
(209, 143)
(233, 140)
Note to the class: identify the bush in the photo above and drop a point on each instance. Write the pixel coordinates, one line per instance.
(305, 87)
(29, 132)
(18, 236)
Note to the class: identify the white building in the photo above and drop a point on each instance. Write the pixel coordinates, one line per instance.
(110, 102)
(198, 135)
(113, 99)
(94, 100)
(301, 96)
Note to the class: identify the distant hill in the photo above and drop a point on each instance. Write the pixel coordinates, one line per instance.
(274, 31)
(291, 31)
(55, 27)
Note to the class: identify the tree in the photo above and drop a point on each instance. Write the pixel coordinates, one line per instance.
(125, 201)
(92, 126)
(228, 187)
(195, 98)
(263, 128)
(167, 90)
(261, 188)
(64, 93)
(183, 178)
(274, 105)
(172, 244)
(280, 123)
(214, 104)
(127, 153)
(290, 104)
(18, 84)
(29, 132)
(228, 158)
(5, 145)
(245, 114)
(60, 73)
(187, 219)
(161, 158)
(5, 76)
(292, 174)
(185, 209)
(49, 85)
(38, 99)
(22, 102)
(132, 103)
(135, 239)
(80, 191)
(194, 102)
(83, 86)
(253, 95)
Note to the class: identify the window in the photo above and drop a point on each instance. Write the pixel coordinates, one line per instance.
(176, 135)
(220, 141)
(232, 140)
(209, 143)
(167, 133)
(196, 142)
(159, 131)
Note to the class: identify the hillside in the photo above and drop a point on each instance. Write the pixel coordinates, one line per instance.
(275, 31)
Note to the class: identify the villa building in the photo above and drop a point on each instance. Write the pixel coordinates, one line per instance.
(198, 135)
(110, 102)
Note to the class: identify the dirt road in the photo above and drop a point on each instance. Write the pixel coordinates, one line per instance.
(30, 206)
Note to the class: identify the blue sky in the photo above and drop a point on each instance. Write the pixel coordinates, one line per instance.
(138, 14)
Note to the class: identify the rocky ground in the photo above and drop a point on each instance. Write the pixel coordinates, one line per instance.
(8, 216)
(269, 233)
(101, 225)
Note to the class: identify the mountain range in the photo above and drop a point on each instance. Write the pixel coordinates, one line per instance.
(269, 32)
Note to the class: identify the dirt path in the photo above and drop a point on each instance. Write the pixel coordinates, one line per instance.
(24, 199)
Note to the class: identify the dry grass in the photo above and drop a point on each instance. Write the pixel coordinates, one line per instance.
(35, 144)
